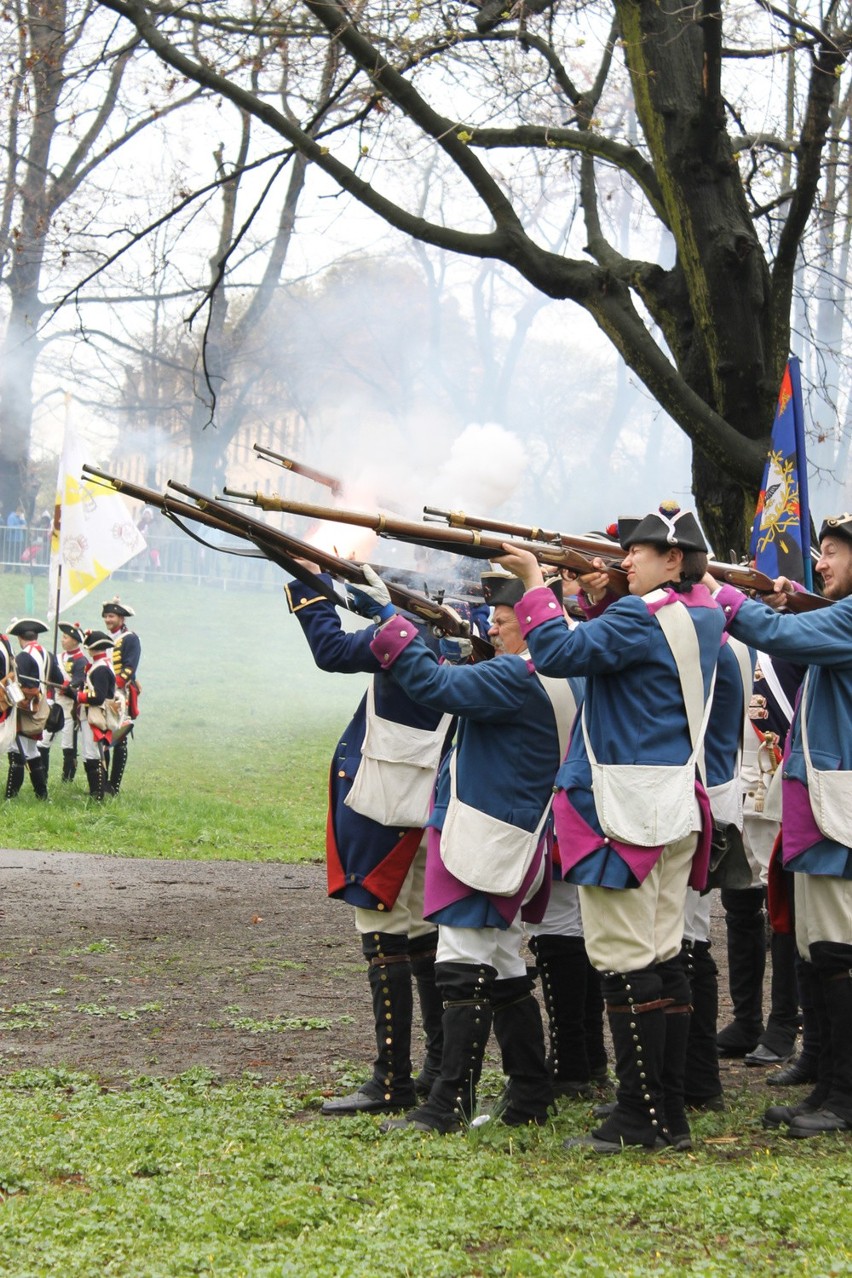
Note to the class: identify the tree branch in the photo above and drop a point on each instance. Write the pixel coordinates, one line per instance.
(584, 142)
(825, 70)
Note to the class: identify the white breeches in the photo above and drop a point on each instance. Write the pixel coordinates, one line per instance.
(499, 948)
(633, 928)
(823, 910)
(405, 918)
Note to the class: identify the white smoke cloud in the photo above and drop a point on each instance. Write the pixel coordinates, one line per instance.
(485, 465)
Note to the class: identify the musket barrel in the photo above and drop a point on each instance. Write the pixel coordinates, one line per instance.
(461, 541)
(736, 574)
(308, 472)
(164, 502)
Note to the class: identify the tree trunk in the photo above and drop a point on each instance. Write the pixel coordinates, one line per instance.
(46, 61)
(726, 511)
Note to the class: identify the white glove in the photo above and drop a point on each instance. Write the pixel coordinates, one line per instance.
(372, 598)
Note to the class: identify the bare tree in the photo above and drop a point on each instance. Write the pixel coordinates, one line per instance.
(196, 376)
(707, 332)
(65, 65)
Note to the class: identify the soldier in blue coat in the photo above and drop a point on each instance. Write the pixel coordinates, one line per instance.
(379, 785)
(722, 753)
(488, 864)
(817, 806)
(636, 837)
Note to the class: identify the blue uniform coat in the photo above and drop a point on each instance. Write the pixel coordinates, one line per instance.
(634, 715)
(507, 756)
(823, 640)
(366, 862)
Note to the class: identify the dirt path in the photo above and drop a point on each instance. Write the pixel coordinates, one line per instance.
(152, 967)
(127, 967)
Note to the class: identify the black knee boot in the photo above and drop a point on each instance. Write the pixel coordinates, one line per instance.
(778, 1041)
(466, 990)
(563, 966)
(389, 975)
(834, 962)
(15, 777)
(746, 927)
(69, 763)
(677, 1017)
(635, 1006)
(118, 762)
(593, 1029)
(804, 1068)
(38, 777)
(96, 777)
(44, 751)
(781, 1115)
(422, 951)
(520, 1036)
(702, 1084)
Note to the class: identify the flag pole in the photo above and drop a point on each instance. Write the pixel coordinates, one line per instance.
(56, 604)
(56, 527)
(802, 468)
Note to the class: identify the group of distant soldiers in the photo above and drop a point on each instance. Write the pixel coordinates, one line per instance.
(580, 791)
(85, 697)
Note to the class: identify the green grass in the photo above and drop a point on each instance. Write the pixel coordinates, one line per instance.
(160, 1179)
(231, 751)
(189, 1178)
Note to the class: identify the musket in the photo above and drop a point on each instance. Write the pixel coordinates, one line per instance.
(310, 472)
(442, 618)
(590, 545)
(460, 587)
(169, 506)
(740, 575)
(749, 579)
(458, 541)
(286, 551)
(318, 476)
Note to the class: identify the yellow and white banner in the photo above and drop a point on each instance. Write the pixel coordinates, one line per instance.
(93, 531)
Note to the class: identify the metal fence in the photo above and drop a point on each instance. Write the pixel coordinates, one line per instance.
(169, 556)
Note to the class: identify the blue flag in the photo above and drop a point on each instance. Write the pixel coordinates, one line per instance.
(781, 534)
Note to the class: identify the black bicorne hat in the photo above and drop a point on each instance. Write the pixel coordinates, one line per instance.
(669, 526)
(837, 526)
(503, 588)
(116, 606)
(97, 641)
(20, 626)
(73, 629)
